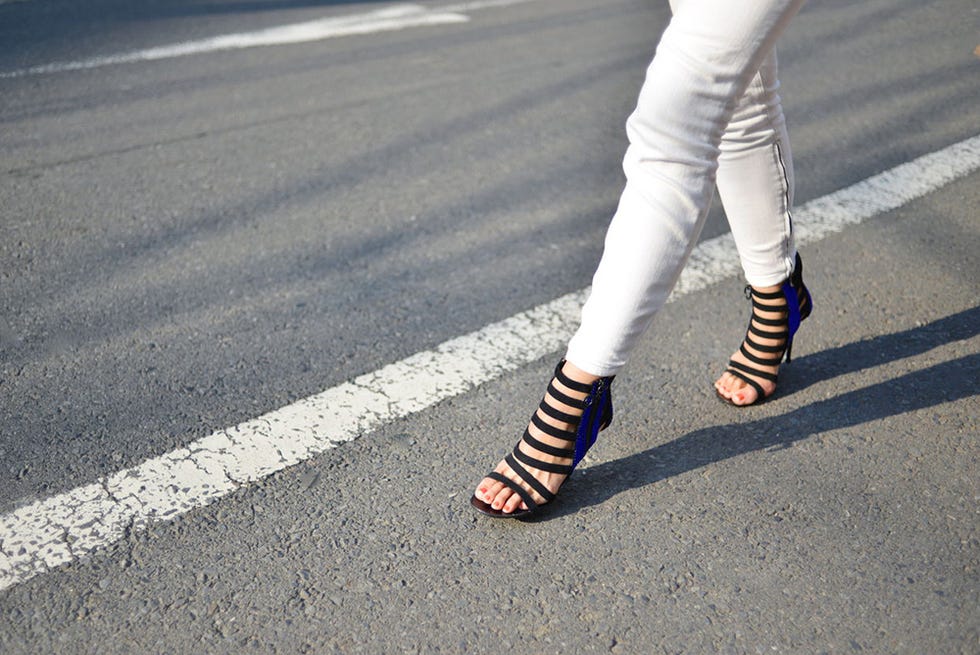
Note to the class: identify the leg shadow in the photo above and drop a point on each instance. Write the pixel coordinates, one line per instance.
(877, 351)
(946, 382)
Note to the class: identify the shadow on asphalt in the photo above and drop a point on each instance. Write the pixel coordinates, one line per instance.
(946, 382)
(879, 350)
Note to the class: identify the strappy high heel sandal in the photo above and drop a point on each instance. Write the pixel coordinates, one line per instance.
(594, 413)
(793, 300)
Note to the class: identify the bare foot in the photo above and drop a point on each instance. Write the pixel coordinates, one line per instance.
(500, 496)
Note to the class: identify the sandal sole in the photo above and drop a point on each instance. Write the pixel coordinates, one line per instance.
(486, 508)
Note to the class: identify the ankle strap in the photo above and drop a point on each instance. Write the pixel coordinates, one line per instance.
(581, 387)
(768, 295)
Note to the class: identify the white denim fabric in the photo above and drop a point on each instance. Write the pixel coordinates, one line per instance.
(708, 113)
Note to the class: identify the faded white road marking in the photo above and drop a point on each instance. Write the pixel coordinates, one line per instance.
(61, 529)
(396, 17)
(482, 4)
(382, 20)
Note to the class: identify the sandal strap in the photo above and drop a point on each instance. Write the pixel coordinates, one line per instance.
(521, 456)
(761, 361)
(769, 307)
(756, 307)
(765, 334)
(745, 368)
(562, 398)
(757, 324)
(769, 333)
(779, 348)
(557, 414)
(545, 448)
(529, 479)
(770, 322)
(574, 385)
(749, 381)
(516, 488)
(550, 430)
(767, 295)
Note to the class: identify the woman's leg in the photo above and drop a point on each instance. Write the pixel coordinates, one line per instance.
(755, 183)
(708, 56)
(706, 59)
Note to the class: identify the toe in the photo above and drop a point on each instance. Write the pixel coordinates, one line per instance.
(501, 498)
(721, 389)
(513, 504)
(487, 490)
(740, 392)
(723, 385)
(745, 396)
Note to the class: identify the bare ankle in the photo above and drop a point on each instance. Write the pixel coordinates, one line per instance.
(577, 374)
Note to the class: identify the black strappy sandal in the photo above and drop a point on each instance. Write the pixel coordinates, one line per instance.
(596, 415)
(793, 299)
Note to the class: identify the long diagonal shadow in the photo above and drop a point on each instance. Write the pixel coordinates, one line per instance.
(946, 382)
(879, 350)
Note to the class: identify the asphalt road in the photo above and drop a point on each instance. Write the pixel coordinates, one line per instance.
(189, 243)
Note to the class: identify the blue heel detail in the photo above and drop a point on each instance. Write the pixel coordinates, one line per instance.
(799, 304)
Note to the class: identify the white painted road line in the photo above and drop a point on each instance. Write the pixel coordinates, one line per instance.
(482, 4)
(61, 529)
(396, 17)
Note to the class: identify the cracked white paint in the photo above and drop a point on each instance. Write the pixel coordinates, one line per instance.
(58, 530)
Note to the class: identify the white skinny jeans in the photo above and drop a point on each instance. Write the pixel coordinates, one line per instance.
(708, 113)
